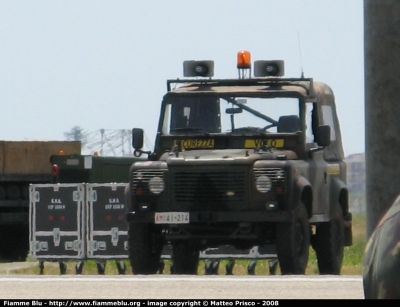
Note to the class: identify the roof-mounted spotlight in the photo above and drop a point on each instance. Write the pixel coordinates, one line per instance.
(243, 63)
(198, 68)
(269, 68)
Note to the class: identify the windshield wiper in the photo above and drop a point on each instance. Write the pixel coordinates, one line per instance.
(252, 111)
(244, 130)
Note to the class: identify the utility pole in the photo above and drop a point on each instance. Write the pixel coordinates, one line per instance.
(382, 106)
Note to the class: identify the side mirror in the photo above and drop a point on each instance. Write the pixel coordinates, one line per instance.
(324, 135)
(137, 138)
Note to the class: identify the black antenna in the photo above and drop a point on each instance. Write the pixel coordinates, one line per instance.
(301, 58)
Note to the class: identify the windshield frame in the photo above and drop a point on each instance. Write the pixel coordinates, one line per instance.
(237, 95)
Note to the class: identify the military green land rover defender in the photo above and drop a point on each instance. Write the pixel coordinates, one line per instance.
(252, 161)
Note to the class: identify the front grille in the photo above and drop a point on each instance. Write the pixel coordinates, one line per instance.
(141, 178)
(215, 187)
(277, 176)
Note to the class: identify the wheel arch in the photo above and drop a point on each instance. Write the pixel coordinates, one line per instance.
(128, 197)
(304, 194)
(339, 195)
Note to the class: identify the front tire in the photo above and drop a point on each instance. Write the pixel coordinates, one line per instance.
(144, 249)
(293, 243)
(329, 244)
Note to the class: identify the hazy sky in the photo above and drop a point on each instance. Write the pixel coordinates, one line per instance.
(104, 64)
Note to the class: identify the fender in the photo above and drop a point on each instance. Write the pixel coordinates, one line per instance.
(302, 191)
(128, 198)
(339, 194)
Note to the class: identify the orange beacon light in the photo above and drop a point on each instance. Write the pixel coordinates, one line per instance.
(243, 59)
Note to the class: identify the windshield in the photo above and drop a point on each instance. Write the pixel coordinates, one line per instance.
(242, 115)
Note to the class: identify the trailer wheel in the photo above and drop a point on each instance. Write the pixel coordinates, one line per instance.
(229, 267)
(185, 258)
(293, 242)
(329, 243)
(144, 249)
(211, 267)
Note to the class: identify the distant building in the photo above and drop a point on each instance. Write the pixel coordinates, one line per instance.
(356, 173)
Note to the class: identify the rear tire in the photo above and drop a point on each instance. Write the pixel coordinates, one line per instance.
(293, 243)
(144, 249)
(329, 243)
(185, 258)
(14, 242)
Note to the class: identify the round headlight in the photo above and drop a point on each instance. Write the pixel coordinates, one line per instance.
(263, 184)
(156, 185)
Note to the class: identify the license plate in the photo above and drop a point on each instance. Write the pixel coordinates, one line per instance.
(171, 218)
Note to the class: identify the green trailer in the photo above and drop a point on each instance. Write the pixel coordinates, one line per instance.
(91, 168)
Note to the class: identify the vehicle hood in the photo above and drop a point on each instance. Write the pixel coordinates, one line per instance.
(228, 156)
